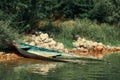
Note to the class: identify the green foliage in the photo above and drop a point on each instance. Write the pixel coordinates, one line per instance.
(7, 33)
(100, 33)
(102, 10)
(85, 28)
(106, 11)
(22, 13)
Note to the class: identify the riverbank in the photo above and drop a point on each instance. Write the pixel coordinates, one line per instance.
(82, 47)
(93, 53)
(9, 56)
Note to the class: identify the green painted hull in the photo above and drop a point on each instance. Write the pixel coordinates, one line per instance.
(34, 52)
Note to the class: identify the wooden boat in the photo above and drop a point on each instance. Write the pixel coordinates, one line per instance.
(34, 52)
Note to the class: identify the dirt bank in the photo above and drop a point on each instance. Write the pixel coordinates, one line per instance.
(9, 56)
(97, 53)
(82, 47)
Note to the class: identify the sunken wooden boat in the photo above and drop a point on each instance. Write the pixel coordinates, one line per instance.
(34, 52)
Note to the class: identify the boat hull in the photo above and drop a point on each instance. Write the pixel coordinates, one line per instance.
(34, 56)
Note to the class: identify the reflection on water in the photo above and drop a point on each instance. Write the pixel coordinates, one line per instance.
(39, 68)
(27, 69)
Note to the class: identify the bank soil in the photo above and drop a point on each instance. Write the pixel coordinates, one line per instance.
(9, 56)
(82, 47)
(96, 53)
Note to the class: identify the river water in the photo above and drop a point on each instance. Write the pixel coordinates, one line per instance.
(29, 69)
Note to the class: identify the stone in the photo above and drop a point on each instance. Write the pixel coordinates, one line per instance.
(33, 36)
(52, 43)
(44, 36)
(1, 53)
(76, 44)
(83, 40)
(53, 47)
(40, 33)
(100, 43)
(44, 45)
(87, 44)
(48, 40)
(79, 39)
(59, 46)
(37, 33)
(32, 43)
(42, 40)
(37, 40)
(108, 46)
(94, 44)
(99, 48)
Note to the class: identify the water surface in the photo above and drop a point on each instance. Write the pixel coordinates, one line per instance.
(28, 69)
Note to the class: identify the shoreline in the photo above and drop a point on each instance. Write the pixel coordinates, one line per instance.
(99, 54)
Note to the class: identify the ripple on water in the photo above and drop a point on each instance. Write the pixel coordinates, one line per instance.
(40, 70)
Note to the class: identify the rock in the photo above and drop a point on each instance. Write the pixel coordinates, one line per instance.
(99, 48)
(42, 40)
(63, 50)
(36, 33)
(44, 45)
(32, 43)
(100, 44)
(79, 39)
(94, 44)
(59, 46)
(44, 36)
(33, 37)
(76, 44)
(37, 40)
(108, 47)
(40, 33)
(85, 50)
(90, 47)
(83, 40)
(1, 53)
(80, 48)
(52, 43)
(87, 44)
(51, 47)
(48, 40)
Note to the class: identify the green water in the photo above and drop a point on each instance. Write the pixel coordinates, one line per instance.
(27, 69)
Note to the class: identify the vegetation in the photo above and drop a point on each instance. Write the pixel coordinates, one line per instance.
(7, 33)
(27, 15)
(24, 14)
(65, 31)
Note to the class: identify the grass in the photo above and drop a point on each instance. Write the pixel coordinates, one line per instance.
(104, 33)
(90, 30)
(64, 32)
(67, 43)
